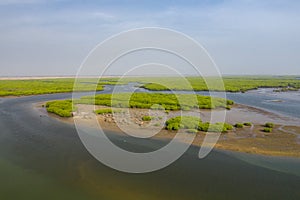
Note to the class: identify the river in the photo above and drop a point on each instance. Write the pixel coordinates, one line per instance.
(43, 158)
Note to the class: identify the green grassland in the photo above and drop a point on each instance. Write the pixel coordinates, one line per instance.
(231, 84)
(140, 100)
(49, 86)
(156, 101)
(62, 108)
(195, 123)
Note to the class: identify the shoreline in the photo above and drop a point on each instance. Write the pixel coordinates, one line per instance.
(283, 141)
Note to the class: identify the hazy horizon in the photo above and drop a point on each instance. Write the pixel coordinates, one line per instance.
(52, 38)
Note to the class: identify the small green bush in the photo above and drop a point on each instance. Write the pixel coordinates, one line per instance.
(147, 118)
(203, 126)
(228, 126)
(220, 127)
(267, 130)
(183, 122)
(62, 108)
(173, 126)
(248, 124)
(217, 127)
(230, 102)
(269, 125)
(239, 125)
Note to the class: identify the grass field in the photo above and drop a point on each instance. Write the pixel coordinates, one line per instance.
(62, 108)
(156, 101)
(48, 86)
(232, 84)
(140, 100)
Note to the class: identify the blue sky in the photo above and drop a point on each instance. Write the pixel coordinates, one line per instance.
(39, 37)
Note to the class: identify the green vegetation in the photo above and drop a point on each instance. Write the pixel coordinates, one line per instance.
(269, 125)
(183, 122)
(156, 101)
(147, 100)
(61, 108)
(247, 124)
(147, 118)
(267, 130)
(217, 127)
(106, 111)
(49, 86)
(239, 125)
(194, 123)
(231, 84)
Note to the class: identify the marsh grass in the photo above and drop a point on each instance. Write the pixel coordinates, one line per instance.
(62, 108)
(159, 100)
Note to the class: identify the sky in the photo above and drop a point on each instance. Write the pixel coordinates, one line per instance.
(49, 38)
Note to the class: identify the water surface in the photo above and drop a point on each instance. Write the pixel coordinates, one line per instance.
(43, 158)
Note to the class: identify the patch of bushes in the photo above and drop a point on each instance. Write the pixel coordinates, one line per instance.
(183, 122)
(228, 126)
(195, 123)
(156, 101)
(267, 130)
(269, 125)
(238, 125)
(147, 118)
(247, 124)
(217, 127)
(62, 108)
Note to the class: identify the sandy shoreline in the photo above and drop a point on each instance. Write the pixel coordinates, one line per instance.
(283, 141)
